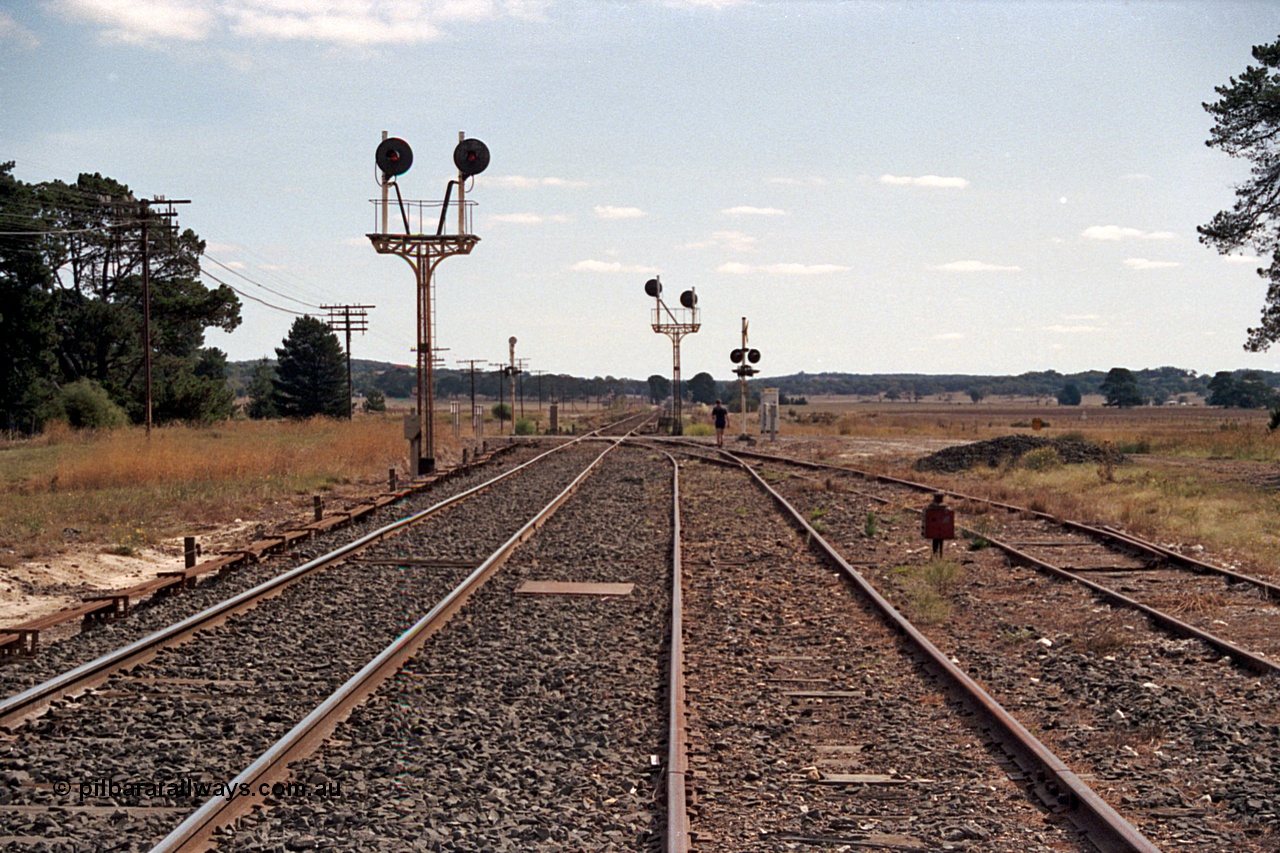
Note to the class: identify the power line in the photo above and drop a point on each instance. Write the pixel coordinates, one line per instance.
(260, 284)
(250, 296)
(65, 231)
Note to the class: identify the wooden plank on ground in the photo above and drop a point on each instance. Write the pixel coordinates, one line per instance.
(574, 588)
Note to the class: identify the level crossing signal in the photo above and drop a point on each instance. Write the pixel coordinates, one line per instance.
(744, 358)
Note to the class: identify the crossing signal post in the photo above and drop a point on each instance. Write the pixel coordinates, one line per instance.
(744, 358)
(423, 251)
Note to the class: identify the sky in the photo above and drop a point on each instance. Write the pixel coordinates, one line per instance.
(876, 187)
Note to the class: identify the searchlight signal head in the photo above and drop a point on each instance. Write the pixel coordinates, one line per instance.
(471, 157)
(394, 156)
(652, 287)
(688, 299)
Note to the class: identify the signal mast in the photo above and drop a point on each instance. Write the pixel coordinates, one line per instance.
(675, 324)
(744, 358)
(423, 251)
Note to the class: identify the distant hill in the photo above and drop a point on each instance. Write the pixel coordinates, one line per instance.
(1159, 384)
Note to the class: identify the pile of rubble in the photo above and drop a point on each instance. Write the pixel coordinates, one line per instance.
(1009, 448)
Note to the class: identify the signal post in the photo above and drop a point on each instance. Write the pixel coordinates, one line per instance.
(423, 251)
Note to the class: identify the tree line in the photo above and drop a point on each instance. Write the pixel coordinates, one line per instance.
(71, 310)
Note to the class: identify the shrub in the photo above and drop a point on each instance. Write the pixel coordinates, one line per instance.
(524, 426)
(1041, 459)
(375, 401)
(699, 429)
(86, 405)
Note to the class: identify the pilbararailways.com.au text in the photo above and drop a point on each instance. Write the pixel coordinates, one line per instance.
(194, 789)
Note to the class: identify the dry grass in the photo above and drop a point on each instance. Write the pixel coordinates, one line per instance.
(1180, 488)
(1231, 517)
(120, 491)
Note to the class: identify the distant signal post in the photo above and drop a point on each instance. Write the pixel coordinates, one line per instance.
(422, 251)
(675, 324)
(744, 358)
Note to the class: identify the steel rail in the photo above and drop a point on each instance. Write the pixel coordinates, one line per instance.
(678, 836)
(196, 832)
(1056, 784)
(1247, 659)
(31, 702)
(1126, 540)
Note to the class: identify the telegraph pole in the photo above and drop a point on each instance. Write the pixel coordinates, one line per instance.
(348, 318)
(471, 363)
(144, 220)
(521, 369)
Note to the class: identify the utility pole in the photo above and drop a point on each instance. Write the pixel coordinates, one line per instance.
(144, 220)
(521, 369)
(348, 318)
(539, 374)
(471, 363)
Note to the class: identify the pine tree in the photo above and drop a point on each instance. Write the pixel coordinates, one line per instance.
(311, 374)
(261, 391)
(1247, 125)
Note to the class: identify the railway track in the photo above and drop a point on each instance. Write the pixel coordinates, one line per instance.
(186, 715)
(1177, 733)
(553, 717)
(530, 722)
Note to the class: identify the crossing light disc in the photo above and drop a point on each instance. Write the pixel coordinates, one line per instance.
(471, 157)
(652, 287)
(394, 156)
(736, 356)
(688, 299)
(753, 356)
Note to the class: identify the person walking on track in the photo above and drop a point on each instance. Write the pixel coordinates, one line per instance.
(720, 417)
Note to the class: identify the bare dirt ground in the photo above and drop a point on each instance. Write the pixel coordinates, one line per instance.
(32, 589)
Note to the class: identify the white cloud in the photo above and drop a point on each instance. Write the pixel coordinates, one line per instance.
(974, 266)
(1136, 176)
(1116, 232)
(799, 182)
(1144, 264)
(747, 210)
(520, 182)
(609, 266)
(144, 20)
(11, 30)
(934, 181)
(1071, 330)
(704, 4)
(1080, 317)
(735, 268)
(527, 218)
(949, 336)
(608, 211)
(345, 22)
(734, 241)
(1241, 259)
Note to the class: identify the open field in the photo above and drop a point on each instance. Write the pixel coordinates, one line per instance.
(84, 511)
